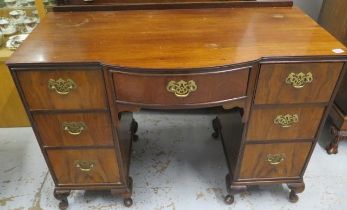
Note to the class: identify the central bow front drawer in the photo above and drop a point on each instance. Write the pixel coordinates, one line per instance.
(190, 89)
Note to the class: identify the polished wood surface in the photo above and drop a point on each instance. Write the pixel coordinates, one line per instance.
(88, 94)
(11, 108)
(273, 89)
(105, 168)
(175, 38)
(152, 89)
(262, 126)
(255, 164)
(52, 133)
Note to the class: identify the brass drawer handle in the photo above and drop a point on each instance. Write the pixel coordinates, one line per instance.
(61, 86)
(88, 1)
(275, 159)
(286, 121)
(84, 165)
(182, 88)
(74, 128)
(299, 80)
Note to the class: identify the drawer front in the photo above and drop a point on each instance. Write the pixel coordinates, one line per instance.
(75, 89)
(284, 123)
(297, 83)
(274, 160)
(94, 166)
(74, 129)
(180, 90)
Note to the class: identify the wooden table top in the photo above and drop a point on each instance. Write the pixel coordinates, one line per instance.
(187, 38)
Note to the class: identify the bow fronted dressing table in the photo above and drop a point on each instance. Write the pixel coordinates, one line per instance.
(81, 75)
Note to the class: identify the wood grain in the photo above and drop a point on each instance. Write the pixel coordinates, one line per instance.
(272, 87)
(262, 127)
(105, 168)
(215, 87)
(174, 39)
(255, 165)
(50, 128)
(89, 94)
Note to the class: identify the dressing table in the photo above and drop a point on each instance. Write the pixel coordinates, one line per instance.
(81, 75)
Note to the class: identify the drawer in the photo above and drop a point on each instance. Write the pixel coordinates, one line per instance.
(74, 129)
(75, 89)
(297, 83)
(181, 90)
(94, 166)
(284, 123)
(274, 160)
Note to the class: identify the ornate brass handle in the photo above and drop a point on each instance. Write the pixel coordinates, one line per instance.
(181, 88)
(275, 159)
(84, 165)
(299, 80)
(61, 86)
(74, 128)
(286, 121)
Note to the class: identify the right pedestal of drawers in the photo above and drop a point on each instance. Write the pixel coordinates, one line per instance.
(288, 110)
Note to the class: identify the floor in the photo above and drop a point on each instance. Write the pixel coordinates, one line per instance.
(175, 165)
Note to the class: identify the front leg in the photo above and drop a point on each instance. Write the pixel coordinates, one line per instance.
(62, 196)
(295, 188)
(126, 195)
(232, 190)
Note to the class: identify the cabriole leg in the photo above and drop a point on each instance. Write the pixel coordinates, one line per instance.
(216, 128)
(127, 200)
(133, 129)
(232, 190)
(62, 195)
(295, 188)
(332, 148)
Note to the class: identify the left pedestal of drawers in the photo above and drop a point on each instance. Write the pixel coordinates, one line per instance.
(71, 117)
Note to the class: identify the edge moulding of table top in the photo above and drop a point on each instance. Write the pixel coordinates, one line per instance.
(81, 75)
(107, 5)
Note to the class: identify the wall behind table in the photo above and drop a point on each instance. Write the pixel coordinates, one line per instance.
(311, 7)
(12, 112)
